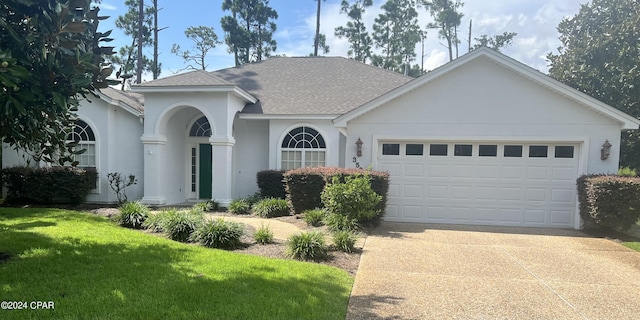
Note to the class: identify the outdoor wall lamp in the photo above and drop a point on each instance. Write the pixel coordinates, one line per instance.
(606, 150)
(359, 147)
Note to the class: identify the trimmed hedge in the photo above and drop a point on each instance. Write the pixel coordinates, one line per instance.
(304, 185)
(49, 185)
(271, 184)
(609, 201)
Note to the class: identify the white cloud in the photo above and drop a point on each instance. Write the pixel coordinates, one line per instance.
(106, 6)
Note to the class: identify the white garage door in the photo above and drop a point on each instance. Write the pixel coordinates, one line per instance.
(511, 184)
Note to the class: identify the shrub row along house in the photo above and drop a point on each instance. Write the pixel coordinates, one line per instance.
(483, 139)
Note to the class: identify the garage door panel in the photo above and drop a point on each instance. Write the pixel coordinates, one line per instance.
(414, 170)
(413, 191)
(493, 190)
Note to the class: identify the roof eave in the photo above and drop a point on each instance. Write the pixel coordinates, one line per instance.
(165, 89)
(120, 104)
(260, 116)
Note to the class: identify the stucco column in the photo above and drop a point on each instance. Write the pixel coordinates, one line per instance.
(154, 148)
(222, 166)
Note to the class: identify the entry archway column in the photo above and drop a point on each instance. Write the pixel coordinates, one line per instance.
(222, 168)
(154, 148)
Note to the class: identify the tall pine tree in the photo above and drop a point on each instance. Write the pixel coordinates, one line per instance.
(396, 32)
(355, 30)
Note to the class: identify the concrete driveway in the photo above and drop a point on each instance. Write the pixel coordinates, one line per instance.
(422, 271)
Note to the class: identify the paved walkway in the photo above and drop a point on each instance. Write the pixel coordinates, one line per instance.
(419, 271)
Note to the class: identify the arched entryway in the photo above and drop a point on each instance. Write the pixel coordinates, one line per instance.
(200, 168)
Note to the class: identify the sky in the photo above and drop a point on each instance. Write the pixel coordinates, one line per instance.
(534, 21)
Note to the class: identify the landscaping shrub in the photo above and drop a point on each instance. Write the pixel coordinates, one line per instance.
(315, 217)
(218, 234)
(239, 206)
(344, 241)
(263, 235)
(304, 186)
(49, 185)
(180, 225)
(253, 199)
(339, 222)
(210, 205)
(627, 172)
(307, 246)
(353, 198)
(132, 214)
(271, 184)
(272, 207)
(156, 222)
(609, 201)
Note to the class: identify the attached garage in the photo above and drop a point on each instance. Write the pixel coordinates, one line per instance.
(485, 140)
(491, 182)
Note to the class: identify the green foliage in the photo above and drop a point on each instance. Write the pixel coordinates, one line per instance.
(218, 234)
(180, 225)
(307, 246)
(447, 19)
(496, 42)
(239, 206)
(132, 215)
(305, 185)
(210, 205)
(599, 55)
(156, 222)
(50, 58)
(627, 172)
(339, 222)
(315, 217)
(344, 240)
(119, 184)
(249, 29)
(396, 32)
(355, 30)
(49, 185)
(205, 39)
(253, 199)
(264, 235)
(609, 201)
(354, 198)
(271, 184)
(270, 208)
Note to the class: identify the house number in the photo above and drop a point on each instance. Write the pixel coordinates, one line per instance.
(355, 160)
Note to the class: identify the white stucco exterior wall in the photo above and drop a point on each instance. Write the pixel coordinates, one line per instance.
(485, 102)
(251, 154)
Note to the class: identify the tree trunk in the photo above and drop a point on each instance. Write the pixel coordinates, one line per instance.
(139, 62)
(156, 71)
(317, 37)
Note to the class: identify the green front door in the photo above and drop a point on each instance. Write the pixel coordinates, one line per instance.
(204, 191)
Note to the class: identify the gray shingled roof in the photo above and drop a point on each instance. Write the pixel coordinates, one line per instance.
(132, 99)
(193, 78)
(310, 85)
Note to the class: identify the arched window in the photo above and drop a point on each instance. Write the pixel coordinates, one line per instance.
(303, 147)
(83, 135)
(200, 128)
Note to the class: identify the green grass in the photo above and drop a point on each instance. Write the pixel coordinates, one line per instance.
(91, 268)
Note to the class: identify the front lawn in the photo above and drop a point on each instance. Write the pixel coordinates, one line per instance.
(90, 268)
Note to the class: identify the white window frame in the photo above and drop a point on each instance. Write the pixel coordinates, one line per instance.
(306, 154)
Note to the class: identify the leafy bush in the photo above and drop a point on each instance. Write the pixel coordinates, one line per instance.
(49, 185)
(627, 172)
(315, 217)
(263, 235)
(180, 225)
(354, 198)
(304, 186)
(338, 222)
(239, 206)
(609, 201)
(218, 234)
(132, 214)
(272, 207)
(271, 184)
(344, 241)
(253, 199)
(210, 205)
(307, 246)
(156, 222)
